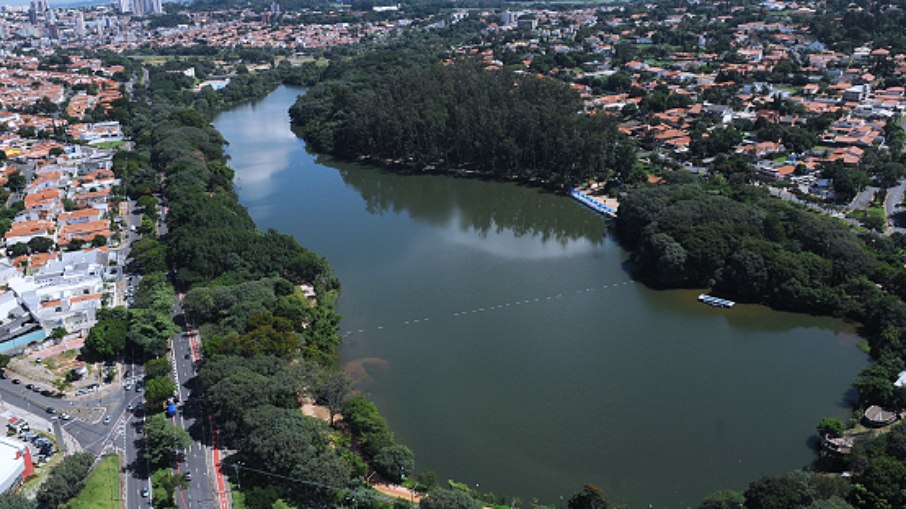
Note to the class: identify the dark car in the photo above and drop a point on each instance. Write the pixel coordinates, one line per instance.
(47, 392)
(17, 381)
(2, 375)
(51, 410)
(29, 386)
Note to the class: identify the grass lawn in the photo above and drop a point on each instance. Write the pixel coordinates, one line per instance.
(872, 217)
(872, 212)
(158, 59)
(238, 497)
(102, 488)
(108, 145)
(320, 62)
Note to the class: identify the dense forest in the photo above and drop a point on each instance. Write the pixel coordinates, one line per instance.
(462, 117)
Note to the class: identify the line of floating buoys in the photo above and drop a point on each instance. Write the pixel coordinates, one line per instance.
(459, 314)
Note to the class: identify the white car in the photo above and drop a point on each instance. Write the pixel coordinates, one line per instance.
(145, 492)
(106, 419)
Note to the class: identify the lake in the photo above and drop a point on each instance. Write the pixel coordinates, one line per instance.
(500, 333)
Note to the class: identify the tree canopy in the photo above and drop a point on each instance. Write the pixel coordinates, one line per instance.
(460, 116)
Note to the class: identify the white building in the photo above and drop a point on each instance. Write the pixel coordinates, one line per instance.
(66, 292)
(15, 463)
(857, 93)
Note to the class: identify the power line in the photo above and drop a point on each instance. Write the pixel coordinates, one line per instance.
(368, 494)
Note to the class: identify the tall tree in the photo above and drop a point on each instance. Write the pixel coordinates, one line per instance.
(163, 439)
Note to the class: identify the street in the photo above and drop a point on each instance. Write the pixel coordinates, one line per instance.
(892, 208)
(190, 416)
(87, 430)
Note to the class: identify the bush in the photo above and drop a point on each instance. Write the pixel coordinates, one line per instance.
(830, 426)
(448, 499)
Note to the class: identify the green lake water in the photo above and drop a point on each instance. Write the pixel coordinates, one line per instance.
(499, 331)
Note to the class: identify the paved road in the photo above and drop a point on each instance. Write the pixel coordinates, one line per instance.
(190, 416)
(138, 475)
(895, 221)
(863, 198)
(86, 428)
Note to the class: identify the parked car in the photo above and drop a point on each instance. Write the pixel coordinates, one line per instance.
(106, 419)
(51, 410)
(16, 381)
(145, 492)
(29, 386)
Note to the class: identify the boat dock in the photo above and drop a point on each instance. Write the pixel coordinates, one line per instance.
(597, 204)
(716, 301)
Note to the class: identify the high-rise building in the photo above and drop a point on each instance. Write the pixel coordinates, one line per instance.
(80, 24)
(138, 7)
(156, 7)
(123, 6)
(37, 9)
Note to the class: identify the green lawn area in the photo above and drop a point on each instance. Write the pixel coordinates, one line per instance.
(108, 145)
(158, 59)
(238, 496)
(872, 217)
(320, 62)
(102, 488)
